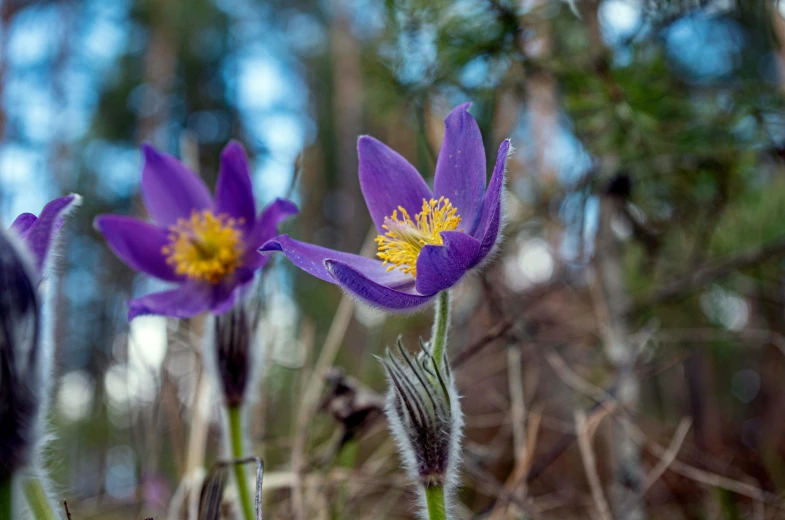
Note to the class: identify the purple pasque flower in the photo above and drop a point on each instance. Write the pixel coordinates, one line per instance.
(39, 233)
(207, 247)
(428, 240)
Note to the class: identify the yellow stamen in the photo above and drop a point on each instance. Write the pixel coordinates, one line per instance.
(206, 247)
(404, 240)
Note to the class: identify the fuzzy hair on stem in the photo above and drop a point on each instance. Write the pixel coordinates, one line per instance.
(424, 413)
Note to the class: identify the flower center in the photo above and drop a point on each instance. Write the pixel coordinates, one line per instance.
(404, 240)
(205, 247)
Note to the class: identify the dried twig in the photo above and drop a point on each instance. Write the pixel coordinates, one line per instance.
(310, 402)
(669, 456)
(685, 285)
(259, 463)
(518, 404)
(497, 332)
(590, 465)
(704, 477)
(517, 478)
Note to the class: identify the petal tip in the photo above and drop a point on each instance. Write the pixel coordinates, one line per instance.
(98, 222)
(367, 143)
(459, 111)
(233, 148)
(287, 206)
(273, 244)
(149, 150)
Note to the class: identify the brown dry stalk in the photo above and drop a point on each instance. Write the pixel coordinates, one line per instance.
(310, 400)
(582, 428)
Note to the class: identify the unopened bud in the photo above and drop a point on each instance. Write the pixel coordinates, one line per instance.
(234, 350)
(21, 378)
(425, 417)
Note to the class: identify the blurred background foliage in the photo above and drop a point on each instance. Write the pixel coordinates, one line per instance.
(643, 252)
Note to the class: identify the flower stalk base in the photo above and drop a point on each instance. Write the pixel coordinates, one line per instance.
(434, 499)
(37, 501)
(236, 440)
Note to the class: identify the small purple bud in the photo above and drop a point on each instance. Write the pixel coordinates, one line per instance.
(425, 417)
(233, 348)
(21, 375)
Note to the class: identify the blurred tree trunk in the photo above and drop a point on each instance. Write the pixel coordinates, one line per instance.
(347, 207)
(160, 62)
(348, 110)
(7, 11)
(541, 100)
(159, 74)
(627, 473)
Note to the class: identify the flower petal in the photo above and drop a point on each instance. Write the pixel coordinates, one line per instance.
(460, 169)
(233, 191)
(489, 221)
(441, 267)
(267, 223)
(170, 190)
(388, 180)
(138, 244)
(371, 292)
(265, 229)
(188, 300)
(44, 230)
(21, 225)
(310, 258)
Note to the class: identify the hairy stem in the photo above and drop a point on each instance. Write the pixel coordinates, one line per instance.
(236, 439)
(434, 498)
(37, 501)
(441, 325)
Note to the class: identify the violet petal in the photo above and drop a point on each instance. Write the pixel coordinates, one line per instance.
(170, 190)
(373, 293)
(310, 258)
(441, 267)
(266, 228)
(488, 224)
(43, 232)
(138, 244)
(234, 191)
(188, 300)
(22, 224)
(267, 222)
(460, 169)
(388, 180)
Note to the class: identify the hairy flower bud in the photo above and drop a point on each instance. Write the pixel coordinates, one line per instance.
(425, 417)
(21, 380)
(233, 348)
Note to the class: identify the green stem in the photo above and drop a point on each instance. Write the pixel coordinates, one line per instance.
(37, 501)
(236, 439)
(434, 498)
(441, 323)
(7, 498)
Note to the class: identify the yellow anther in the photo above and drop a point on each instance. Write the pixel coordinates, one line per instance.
(205, 247)
(405, 238)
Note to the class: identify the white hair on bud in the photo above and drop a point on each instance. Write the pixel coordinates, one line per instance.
(56, 245)
(400, 376)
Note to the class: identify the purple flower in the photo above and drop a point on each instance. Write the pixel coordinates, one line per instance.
(428, 240)
(207, 247)
(40, 233)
